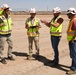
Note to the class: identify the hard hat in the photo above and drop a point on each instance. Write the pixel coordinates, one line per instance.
(71, 10)
(33, 10)
(56, 10)
(5, 6)
(10, 9)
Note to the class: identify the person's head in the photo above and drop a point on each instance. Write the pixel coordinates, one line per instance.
(6, 8)
(33, 12)
(71, 12)
(56, 11)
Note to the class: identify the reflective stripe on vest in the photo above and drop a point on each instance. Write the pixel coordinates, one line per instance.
(32, 31)
(56, 31)
(70, 33)
(8, 25)
(5, 32)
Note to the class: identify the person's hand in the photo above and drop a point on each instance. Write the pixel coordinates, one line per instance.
(27, 26)
(72, 41)
(12, 24)
(43, 21)
(2, 8)
(3, 24)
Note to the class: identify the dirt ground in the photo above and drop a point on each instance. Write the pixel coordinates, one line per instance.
(21, 66)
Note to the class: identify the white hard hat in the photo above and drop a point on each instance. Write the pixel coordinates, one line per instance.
(10, 9)
(71, 10)
(33, 10)
(5, 6)
(56, 10)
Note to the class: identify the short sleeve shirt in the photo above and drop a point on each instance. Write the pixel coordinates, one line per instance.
(74, 25)
(60, 20)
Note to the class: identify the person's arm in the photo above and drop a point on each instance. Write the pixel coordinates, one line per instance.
(1, 22)
(38, 25)
(74, 28)
(74, 25)
(46, 23)
(57, 24)
(74, 37)
(26, 24)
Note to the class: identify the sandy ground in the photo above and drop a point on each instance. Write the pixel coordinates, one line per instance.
(21, 66)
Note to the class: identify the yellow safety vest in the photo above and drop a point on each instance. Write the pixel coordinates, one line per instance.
(8, 25)
(32, 31)
(1, 11)
(56, 31)
(70, 33)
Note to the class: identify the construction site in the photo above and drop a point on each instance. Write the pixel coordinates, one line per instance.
(42, 65)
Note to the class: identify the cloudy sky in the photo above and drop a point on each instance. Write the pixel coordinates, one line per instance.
(43, 5)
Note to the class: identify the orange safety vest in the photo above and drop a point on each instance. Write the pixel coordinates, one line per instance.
(70, 33)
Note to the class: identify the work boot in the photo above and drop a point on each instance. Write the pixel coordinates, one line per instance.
(37, 52)
(71, 71)
(30, 57)
(10, 58)
(55, 64)
(3, 61)
(37, 55)
(52, 61)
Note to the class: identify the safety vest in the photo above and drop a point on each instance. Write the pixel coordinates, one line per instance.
(56, 31)
(1, 11)
(32, 31)
(70, 32)
(8, 25)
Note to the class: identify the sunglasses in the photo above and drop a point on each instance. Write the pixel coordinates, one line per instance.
(71, 11)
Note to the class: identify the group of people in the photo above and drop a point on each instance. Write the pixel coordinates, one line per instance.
(32, 25)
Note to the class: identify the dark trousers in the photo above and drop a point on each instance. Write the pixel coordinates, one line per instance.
(72, 48)
(55, 42)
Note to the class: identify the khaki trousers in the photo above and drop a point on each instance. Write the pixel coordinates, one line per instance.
(36, 41)
(3, 40)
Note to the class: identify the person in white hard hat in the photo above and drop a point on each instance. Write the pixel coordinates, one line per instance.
(71, 37)
(32, 25)
(5, 6)
(55, 26)
(5, 33)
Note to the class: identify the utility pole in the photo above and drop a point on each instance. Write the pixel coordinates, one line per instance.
(47, 7)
